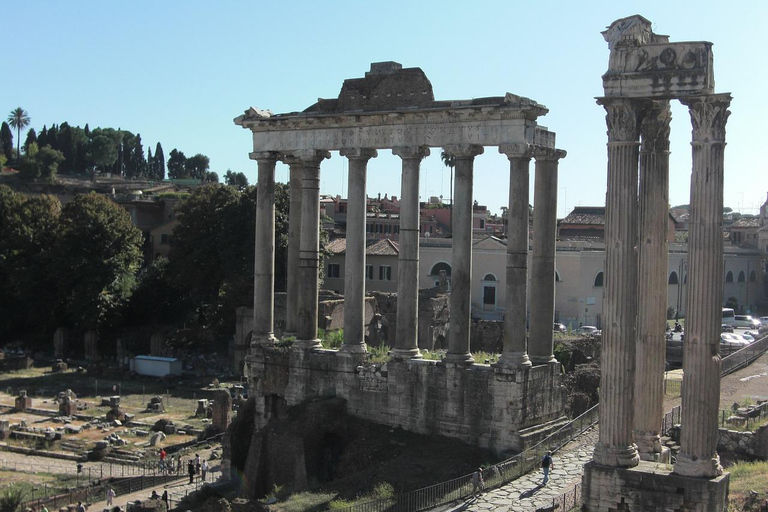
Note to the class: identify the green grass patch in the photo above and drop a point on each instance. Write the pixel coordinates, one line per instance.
(381, 491)
(378, 354)
(746, 477)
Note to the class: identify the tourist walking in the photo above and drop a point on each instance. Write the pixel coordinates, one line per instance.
(80, 507)
(197, 463)
(547, 464)
(204, 469)
(110, 496)
(165, 499)
(477, 481)
(162, 459)
(191, 470)
(179, 464)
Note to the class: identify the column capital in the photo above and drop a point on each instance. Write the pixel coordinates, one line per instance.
(460, 151)
(654, 127)
(264, 155)
(623, 118)
(308, 156)
(418, 152)
(358, 153)
(516, 150)
(708, 116)
(541, 153)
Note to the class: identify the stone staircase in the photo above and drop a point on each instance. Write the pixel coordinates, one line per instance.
(73, 445)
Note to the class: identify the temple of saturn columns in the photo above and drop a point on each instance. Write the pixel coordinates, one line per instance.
(645, 72)
(504, 407)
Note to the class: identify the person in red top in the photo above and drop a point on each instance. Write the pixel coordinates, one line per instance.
(162, 458)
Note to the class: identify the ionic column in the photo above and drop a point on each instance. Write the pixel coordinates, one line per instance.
(309, 254)
(701, 359)
(406, 338)
(461, 254)
(652, 280)
(540, 345)
(264, 257)
(515, 352)
(354, 260)
(615, 446)
(294, 239)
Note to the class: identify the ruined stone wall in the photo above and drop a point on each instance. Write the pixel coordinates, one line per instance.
(478, 404)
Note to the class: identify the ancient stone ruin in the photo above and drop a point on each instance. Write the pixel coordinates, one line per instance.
(23, 401)
(91, 343)
(507, 406)
(221, 414)
(60, 343)
(645, 72)
(67, 403)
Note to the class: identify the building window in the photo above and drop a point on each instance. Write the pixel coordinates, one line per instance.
(599, 280)
(558, 279)
(482, 223)
(440, 266)
(385, 273)
(489, 277)
(729, 277)
(333, 270)
(742, 277)
(673, 278)
(397, 229)
(165, 239)
(489, 295)
(369, 271)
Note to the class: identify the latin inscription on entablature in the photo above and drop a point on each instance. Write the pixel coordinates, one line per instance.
(491, 133)
(666, 70)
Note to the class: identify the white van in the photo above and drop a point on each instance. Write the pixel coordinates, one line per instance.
(729, 317)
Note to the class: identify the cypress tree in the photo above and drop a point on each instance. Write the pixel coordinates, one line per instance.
(42, 137)
(67, 148)
(6, 140)
(150, 164)
(53, 137)
(159, 163)
(31, 137)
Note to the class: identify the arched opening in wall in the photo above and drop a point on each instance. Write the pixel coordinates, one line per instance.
(599, 279)
(331, 448)
(489, 292)
(435, 272)
(752, 277)
(742, 277)
(673, 278)
(440, 343)
(729, 277)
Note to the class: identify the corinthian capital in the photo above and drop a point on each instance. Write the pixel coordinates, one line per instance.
(406, 152)
(708, 116)
(459, 151)
(358, 153)
(516, 150)
(654, 127)
(310, 157)
(541, 153)
(269, 156)
(623, 118)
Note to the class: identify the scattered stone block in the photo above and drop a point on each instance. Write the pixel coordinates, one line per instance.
(156, 438)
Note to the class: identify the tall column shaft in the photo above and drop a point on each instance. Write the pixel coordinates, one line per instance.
(540, 346)
(354, 260)
(652, 281)
(701, 358)
(294, 240)
(461, 254)
(264, 257)
(515, 351)
(406, 340)
(309, 254)
(617, 360)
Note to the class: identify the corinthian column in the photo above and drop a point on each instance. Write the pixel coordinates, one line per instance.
(515, 354)
(617, 376)
(701, 359)
(294, 239)
(354, 260)
(540, 346)
(406, 339)
(264, 258)
(461, 258)
(309, 254)
(652, 280)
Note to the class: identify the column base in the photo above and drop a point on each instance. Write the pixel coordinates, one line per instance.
(307, 344)
(537, 360)
(403, 354)
(289, 334)
(458, 359)
(687, 465)
(649, 448)
(263, 339)
(353, 348)
(616, 456)
(513, 361)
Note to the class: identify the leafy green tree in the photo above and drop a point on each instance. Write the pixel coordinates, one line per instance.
(53, 137)
(102, 151)
(19, 119)
(99, 255)
(6, 140)
(40, 163)
(177, 164)
(211, 177)
(31, 137)
(197, 166)
(159, 174)
(236, 179)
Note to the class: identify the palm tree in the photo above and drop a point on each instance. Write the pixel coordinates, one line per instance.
(18, 118)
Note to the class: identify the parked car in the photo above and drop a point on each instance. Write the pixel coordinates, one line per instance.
(727, 328)
(746, 321)
(588, 330)
(730, 343)
(559, 327)
(764, 320)
(747, 336)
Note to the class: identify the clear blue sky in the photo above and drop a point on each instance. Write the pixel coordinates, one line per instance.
(178, 72)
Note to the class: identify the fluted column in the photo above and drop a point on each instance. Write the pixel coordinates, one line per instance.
(309, 255)
(406, 340)
(615, 446)
(354, 260)
(264, 257)
(540, 345)
(461, 254)
(701, 359)
(294, 240)
(515, 352)
(652, 280)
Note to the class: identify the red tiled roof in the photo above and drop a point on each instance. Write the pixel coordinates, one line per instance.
(383, 247)
(747, 222)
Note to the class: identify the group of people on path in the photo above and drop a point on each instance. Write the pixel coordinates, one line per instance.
(195, 466)
(547, 465)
